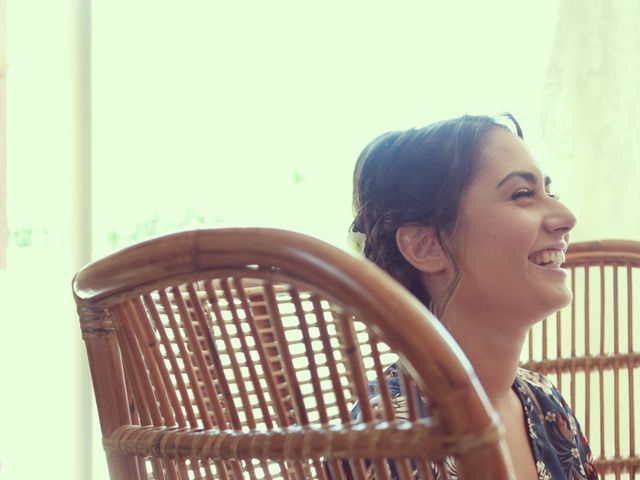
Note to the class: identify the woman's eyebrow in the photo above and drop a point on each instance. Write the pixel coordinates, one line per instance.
(528, 176)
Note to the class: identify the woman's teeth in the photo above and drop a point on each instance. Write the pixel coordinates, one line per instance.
(555, 257)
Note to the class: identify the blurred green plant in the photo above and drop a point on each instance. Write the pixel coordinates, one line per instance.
(298, 177)
(22, 236)
(155, 225)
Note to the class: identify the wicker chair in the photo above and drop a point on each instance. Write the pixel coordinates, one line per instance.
(591, 351)
(238, 353)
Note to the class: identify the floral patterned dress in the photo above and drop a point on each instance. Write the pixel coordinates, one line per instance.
(560, 450)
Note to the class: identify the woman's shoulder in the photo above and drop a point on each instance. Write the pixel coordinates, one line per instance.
(542, 391)
(537, 382)
(546, 399)
(535, 379)
(550, 417)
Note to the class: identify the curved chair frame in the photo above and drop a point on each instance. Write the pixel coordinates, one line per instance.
(108, 294)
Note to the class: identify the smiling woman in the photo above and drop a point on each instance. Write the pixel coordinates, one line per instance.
(461, 214)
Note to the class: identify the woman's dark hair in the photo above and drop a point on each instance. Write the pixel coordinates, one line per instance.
(417, 176)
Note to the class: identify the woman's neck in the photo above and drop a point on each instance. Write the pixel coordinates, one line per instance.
(493, 347)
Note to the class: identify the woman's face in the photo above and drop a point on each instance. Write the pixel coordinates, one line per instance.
(511, 237)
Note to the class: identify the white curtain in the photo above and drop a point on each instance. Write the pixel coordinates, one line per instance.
(46, 399)
(4, 232)
(591, 115)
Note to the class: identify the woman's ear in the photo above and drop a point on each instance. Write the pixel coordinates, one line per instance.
(419, 245)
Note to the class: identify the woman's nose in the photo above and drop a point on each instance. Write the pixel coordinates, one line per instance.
(559, 218)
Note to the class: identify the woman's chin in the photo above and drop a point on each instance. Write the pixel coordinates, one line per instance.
(556, 301)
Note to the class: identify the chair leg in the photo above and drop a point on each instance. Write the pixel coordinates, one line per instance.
(122, 467)
(107, 374)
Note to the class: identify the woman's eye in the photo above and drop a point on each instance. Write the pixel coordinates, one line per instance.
(553, 195)
(528, 193)
(522, 193)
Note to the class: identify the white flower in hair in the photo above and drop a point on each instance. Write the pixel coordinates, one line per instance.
(356, 241)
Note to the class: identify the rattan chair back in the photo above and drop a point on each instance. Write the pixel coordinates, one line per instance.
(591, 351)
(240, 353)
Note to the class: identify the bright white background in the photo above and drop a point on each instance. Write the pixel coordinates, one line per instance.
(205, 113)
(254, 112)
